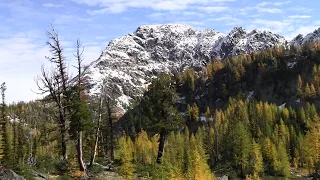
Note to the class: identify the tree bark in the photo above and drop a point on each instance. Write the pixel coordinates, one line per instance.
(80, 74)
(161, 146)
(94, 152)
(80, 154)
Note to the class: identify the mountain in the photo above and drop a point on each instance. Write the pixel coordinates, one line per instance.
(301, 40)
(238, 41)
(129, 62)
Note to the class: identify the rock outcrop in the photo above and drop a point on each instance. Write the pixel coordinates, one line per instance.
(129, 62)
(8, 174)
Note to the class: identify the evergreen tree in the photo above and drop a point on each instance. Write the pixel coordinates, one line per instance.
(193, 112)
(270, 154)
(174, 155)
(5, 134)
(143, 148)
(307, 91)
(283, 158)
(21, 144)
(199, 167)
(313, 92)
(159, 110)
(80, 113)
(241, 147)
(125, 156)
(256, 160)
(299, 86)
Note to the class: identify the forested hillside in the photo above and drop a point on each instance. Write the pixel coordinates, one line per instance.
(256, 114)
(251, 116)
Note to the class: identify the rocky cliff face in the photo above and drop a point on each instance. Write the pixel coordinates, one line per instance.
(129, 62)
(238, 41)
(302, 40)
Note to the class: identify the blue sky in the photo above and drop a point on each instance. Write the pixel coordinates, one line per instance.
(96, 22)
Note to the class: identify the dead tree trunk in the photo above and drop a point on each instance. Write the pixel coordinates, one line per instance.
(80, 154)
(94, 152)
(56, 85)
(80, 91)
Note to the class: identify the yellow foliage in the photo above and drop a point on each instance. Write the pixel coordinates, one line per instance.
(143, 148)
(125, 155)
(199, 168)
(77, 174)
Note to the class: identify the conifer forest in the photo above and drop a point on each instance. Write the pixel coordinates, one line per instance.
(252, 116)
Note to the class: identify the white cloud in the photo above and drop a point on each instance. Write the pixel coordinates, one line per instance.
(228, 20)
(19, 59)
(50, 5)
(176, 14)
(264, 3)
(304, 30)
(223, 18)
(269, 10)
(299, 17)
(300, 9)
(169, 5)
(213, 9)
(280, 3)
(281, 27)
(289, 28)
(116, 6)
(270, 23)
(262, 8)
(22, 55)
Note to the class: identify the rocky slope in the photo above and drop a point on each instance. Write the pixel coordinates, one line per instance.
(129, 62)
(301, 40)
(8, 174)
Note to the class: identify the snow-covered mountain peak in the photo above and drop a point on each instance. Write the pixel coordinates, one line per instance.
(238, 41)
(237, 32)
(314, 36)
(152, 31)
(302, 40)
(128, 63)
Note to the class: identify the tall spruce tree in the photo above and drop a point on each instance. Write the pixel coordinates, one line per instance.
(241, 147)
(160, 110)
(80, 113)
(6, 143)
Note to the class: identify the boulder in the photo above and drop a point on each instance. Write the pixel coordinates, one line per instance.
(8, 174)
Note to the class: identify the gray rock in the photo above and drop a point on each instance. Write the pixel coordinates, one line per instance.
(8, 174)
(39, 176)
(300, 40)
(128, 63)
(225, 177)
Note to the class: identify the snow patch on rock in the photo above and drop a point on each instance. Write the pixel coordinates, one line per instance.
(128, 63)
